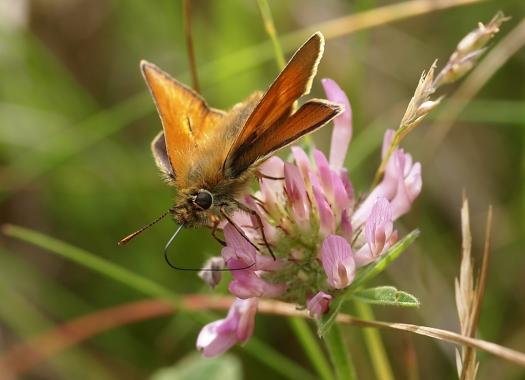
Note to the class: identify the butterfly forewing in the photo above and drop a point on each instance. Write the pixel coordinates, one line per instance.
(187, 120)
(278, 101)
(271, 125)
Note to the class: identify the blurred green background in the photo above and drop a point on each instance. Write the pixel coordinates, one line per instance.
(75, 127)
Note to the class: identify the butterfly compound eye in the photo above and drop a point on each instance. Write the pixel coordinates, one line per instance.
(204, 199)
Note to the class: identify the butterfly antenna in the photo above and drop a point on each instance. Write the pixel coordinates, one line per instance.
(166, 257)
(138, 232)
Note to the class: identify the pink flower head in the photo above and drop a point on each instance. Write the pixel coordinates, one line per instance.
(379, 233)
(219, 336)
(338, 261)
(342, 133)
(303, 204)
(319, 304)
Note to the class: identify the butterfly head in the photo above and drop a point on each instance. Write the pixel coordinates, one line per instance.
(195, 208)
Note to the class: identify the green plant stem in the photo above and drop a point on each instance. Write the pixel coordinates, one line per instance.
(280, 363)
(393, 146)
(189, 44)
(266, 15)
(311, 347)
(339, 354)
(375, 345)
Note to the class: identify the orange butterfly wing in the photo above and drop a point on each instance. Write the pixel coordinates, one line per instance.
(270, 126)
(311, 116)
(187, 120)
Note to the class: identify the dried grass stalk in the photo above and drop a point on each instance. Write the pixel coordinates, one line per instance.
(469, 293)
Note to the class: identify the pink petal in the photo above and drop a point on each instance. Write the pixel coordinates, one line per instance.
(211, 343)
(341, 199)
(343, 174)
(272, 167)
(342, 133)
(387, 141)
(254, 233)
(363, 256)
(296, 192)
(247, 284)
(217, 337)
(326, 216)
(235, 240)
(407, 191)
(338, 261)
(319, 304)
(324, 172)
(247, 309)
(379, 226)
(401, 185)
(302, 162)
(346, 226)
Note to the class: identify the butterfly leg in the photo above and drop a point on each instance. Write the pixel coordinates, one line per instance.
(239, 229)
(265, 176)
(214, 233)
(260, 226)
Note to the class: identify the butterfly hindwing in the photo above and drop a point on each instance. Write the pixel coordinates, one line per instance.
(310, 116)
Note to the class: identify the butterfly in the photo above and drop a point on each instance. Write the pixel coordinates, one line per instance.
(210, 156)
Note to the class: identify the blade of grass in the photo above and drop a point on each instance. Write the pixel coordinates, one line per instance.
(88, 260)
(375, 17)
(266, 15)
(148, 287)
(310, 344)
(344, 368)
(374, 344)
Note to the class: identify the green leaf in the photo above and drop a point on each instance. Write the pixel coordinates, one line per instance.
(197, 367)
(363, 276)
(386, 296)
